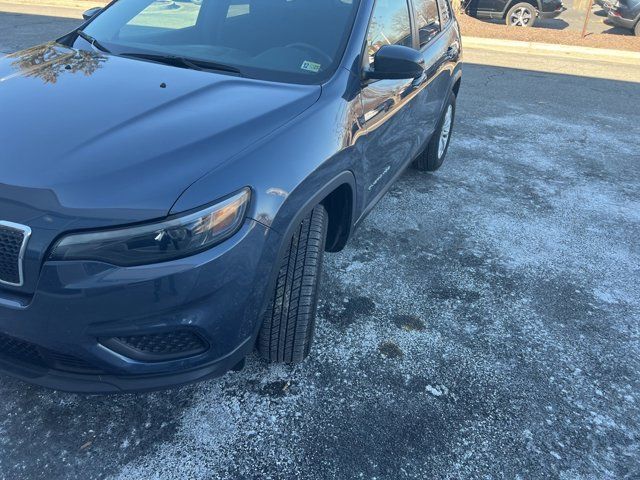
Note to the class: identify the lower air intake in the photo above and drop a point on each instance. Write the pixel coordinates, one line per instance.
(24, 352)
(158, 347)
(28, 353)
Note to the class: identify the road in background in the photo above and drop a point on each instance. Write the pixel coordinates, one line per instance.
(483, 323)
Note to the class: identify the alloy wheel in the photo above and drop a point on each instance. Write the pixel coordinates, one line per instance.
(445, 131)
(521, 17)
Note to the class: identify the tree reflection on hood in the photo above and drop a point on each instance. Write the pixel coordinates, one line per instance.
(50, 60)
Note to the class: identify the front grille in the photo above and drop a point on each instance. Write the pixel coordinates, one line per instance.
(158, 346)
(34, 355)
(12, 240)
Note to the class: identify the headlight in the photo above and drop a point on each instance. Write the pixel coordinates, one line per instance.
(158, 242)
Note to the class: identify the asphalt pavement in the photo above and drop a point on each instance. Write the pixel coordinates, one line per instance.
(20, 30)
(483, 323)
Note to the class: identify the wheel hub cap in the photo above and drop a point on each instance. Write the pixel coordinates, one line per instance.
(521, 17)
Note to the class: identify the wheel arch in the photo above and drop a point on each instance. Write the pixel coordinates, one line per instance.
(456, 86)
(339, 206)
(337, 195)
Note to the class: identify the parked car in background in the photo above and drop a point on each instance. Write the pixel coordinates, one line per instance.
(626, 14)
(515, 12)
(606, 5)
(173, 177)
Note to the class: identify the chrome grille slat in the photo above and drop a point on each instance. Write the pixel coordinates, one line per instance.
(13, 243)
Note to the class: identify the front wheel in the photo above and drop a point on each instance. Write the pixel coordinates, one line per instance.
(636, 30)
(521, 15)
(287, 331)
(432, 157)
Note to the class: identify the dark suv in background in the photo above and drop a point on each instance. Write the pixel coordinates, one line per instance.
(515, 12)
(626, 14)
(174, 173)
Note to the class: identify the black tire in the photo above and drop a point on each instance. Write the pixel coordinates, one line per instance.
(528, 18)
(287, 331)
(431, 158)
(636, 30)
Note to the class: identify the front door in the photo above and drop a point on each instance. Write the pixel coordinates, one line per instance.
(390, 134)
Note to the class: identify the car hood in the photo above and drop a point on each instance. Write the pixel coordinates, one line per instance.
(112, 140)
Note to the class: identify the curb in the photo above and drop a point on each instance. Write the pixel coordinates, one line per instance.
(609, 55)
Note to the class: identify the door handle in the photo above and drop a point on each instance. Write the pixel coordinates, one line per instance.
(452, 53)
(381, 109)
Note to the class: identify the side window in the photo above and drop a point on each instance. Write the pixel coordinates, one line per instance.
(160, 15)
(390, 25)
(445, 12)
(427, 19)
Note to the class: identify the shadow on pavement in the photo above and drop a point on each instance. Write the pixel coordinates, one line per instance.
(618, 31)
(614, 30)
(553, 23)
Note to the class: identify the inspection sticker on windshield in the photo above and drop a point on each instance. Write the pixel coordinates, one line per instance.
(310, 66)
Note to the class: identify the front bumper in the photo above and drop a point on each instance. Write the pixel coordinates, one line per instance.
(78, 307)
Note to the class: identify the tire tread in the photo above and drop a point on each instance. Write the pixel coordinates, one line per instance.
(287, 331)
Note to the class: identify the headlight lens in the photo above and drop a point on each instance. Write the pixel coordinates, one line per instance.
(158, 242)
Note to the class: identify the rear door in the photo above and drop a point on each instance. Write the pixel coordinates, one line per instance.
(439, 45)
(491, 8)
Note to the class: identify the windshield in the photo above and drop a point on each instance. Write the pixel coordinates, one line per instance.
(298, 41)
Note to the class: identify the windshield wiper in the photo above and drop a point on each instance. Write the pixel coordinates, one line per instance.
(92, 41)
(184, 62)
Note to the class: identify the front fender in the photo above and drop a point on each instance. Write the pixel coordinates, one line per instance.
(291, 171)
(294, 166)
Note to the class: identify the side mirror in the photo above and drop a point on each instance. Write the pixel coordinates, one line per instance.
(396, 62)
(92, 12)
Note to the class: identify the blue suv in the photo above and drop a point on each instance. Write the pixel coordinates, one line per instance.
(174, 171)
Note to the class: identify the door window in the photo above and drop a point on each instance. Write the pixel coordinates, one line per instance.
(390, 25)
(427, 19)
